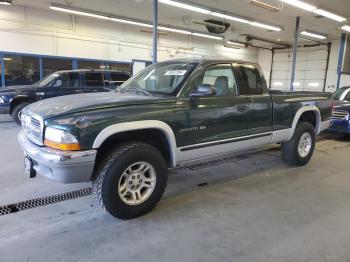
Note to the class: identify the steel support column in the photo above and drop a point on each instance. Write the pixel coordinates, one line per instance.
(155, 32)
(341, 58)
(2, 70)
(41, 70)
(295, 48)
(75, 64)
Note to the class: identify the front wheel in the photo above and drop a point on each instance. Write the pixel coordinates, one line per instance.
(131, 181)
(299, 150)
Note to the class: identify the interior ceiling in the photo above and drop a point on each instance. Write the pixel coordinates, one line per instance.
(142, 9)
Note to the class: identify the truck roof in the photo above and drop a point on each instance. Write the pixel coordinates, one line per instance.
(208, 60)
(92, 70)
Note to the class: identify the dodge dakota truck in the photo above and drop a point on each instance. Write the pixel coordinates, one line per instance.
(168, 115)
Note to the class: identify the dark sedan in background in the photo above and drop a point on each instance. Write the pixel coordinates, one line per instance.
(341, 111)
(15, 98)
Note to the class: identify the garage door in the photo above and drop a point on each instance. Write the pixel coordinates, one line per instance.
(310, 71)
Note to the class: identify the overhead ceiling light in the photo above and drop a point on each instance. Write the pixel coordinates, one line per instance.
(218, 14)
(186, 6)
(300, 4)
(128, 21)
(7, 59)
(208, 36)
(314, 84)
(77, 12)
(314, 9)
(5, 2)
(230, 17)
(265, 5)
(180, 31)
(346, 28)
(269, 27)
(313, 34)
(278, 83)
(124, 21)
(330, 15)
(235, 43)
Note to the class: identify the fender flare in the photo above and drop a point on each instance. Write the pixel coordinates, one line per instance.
(140, 125)
(302, 111)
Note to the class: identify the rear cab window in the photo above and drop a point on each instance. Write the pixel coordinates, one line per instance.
(252, 84)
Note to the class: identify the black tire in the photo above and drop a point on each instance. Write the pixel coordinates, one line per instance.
(290, 152)
(15, 114)
(105, 186)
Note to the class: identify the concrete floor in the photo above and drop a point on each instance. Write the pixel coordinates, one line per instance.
(254, 208)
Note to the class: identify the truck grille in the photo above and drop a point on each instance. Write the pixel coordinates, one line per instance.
(340, 115)
(32, 126)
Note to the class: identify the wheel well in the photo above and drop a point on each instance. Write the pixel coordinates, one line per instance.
(153, 137)
(21, 100)
(310, 117)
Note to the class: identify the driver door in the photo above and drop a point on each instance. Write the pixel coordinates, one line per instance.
(214, 118)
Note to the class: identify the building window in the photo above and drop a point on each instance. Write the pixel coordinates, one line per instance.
(91, 65)
(120, 67)
(21, 70)
(51, 65)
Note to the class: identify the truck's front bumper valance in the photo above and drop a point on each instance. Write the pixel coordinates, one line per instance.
(63, 166)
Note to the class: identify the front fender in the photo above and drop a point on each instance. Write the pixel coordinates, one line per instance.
(139, 125)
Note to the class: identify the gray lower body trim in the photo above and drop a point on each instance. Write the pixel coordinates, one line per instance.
(213, 149)
(65, 167)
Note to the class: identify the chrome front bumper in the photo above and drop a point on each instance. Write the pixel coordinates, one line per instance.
(66, 167)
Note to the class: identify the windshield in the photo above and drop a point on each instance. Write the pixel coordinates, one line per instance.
(48, 80)
(163, 78)
(341, 94)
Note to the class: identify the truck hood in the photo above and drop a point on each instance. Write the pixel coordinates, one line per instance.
(64, 105)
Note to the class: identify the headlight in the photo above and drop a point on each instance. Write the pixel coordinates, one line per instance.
(1, 100)
(59, 139)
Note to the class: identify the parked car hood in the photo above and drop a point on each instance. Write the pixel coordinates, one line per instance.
(342, 105)
(70, 104)
(19, 89)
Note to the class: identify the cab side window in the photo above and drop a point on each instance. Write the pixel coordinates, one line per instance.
(60, 81)
(252, 83)
(74, 79)
(347, 97)
(221, 77)
(94, 79)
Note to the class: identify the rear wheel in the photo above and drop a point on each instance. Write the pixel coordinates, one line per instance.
(131, 181)
(299, 150)
(16, 113)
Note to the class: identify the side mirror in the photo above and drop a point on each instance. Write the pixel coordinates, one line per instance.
(204, 90)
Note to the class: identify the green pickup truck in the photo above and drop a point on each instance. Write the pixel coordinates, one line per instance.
(169, 114)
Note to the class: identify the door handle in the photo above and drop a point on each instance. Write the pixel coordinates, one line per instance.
(243, 108)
